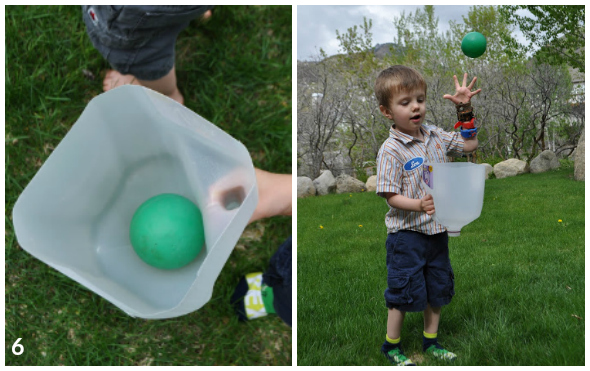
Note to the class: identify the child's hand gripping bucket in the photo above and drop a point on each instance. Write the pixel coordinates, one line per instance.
(457, 190)
(130, 144)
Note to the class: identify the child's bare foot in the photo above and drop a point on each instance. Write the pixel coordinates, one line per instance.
(114, 78)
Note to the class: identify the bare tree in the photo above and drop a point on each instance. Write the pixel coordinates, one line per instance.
(512, 100)
(552, 89)
(569, 133)
(322, 101)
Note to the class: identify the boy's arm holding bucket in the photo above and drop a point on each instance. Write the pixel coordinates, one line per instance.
(389, 186)
(274, 195)
(425, 204)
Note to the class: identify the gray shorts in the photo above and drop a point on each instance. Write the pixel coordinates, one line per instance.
(138, 40)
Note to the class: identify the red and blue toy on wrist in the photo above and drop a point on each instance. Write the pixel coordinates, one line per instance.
(468, 129)
(466, 120)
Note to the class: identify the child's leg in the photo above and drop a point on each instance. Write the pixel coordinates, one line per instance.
(431, 319)
(404, 264)
(440, 284)
(165, 85)
(430, 339)
(124, 36)
(392, 348)
(395, 320)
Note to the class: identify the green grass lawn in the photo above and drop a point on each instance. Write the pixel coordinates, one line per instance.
(234, 70)
(519, 278)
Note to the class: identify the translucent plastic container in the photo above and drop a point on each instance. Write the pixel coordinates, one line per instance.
(128, 145)
(457, 189)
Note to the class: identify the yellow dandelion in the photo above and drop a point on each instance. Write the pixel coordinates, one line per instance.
(321, 227)
(360, 225)
(350, 195)
(559, 221)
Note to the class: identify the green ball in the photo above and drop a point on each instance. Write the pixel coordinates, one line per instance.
(474, 44)
(167, 232)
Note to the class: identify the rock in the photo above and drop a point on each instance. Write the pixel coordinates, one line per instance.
(579, 160)
(489, 169)
(371, 184)
(305, 187)
(510, 167)
(347, 184)
(545, 161)
(325, 183)
(572, 155)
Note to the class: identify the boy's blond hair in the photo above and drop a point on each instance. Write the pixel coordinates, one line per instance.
(397, 79)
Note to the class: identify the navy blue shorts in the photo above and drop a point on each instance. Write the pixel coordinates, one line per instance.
(138, 40)
(418, 271)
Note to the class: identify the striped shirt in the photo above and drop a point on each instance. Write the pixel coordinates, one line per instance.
(399, 170)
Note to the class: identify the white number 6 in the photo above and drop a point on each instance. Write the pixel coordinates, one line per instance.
(17, 348)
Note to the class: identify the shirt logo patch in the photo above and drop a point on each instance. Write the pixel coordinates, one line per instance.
(413, 163)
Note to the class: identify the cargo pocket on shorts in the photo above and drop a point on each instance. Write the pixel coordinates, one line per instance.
(448, 290)
(398, 291)
(441, 287)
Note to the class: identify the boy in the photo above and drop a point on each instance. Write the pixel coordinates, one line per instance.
(419, 273)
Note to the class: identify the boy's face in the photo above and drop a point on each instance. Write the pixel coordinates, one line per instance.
(407, 110)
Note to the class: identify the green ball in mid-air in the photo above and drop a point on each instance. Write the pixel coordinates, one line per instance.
(167, 232)
(474, 44)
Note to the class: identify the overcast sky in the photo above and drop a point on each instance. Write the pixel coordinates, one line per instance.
(317, 25)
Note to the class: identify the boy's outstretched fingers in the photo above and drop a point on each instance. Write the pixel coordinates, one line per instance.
(471, 85)
(472, 82)
(463, 92)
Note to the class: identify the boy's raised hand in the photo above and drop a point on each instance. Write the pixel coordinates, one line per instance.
(463, 93)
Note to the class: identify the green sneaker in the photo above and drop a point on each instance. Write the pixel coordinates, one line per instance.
(440, 353)
(397, 357)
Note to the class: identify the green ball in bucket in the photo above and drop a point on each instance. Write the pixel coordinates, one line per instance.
(474, 44)
(167, 232)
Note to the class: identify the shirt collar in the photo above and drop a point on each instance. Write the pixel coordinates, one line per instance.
(405, 138)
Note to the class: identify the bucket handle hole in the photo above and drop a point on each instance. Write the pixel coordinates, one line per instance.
(233, 198)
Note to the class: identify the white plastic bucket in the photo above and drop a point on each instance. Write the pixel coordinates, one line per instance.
(130, 144)
(457, 189)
